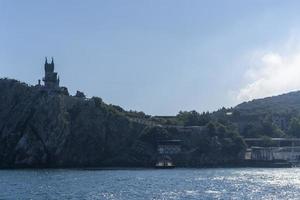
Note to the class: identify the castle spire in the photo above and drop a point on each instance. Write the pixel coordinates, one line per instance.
(51, 80)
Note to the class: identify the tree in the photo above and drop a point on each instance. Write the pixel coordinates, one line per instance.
(250, 130)
(193, 118)
(294, 127)
(151, 135)
(271, 130)
(211, 129)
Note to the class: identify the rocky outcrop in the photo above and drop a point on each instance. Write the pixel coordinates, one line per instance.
(38, 129)
(42, 128)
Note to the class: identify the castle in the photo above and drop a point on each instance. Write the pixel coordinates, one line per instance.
(51, 80)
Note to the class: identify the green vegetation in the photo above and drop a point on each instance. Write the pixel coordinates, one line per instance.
(193, 118)
(41, 129)
(294, 127)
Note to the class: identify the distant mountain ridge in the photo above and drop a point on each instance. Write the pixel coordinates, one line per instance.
(275, 104)
(276, 116)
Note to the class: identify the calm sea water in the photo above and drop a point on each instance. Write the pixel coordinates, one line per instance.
(244, 183)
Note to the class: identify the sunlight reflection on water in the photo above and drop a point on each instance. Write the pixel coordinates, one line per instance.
(236, 183)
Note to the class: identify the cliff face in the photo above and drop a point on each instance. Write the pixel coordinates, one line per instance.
(38, 129)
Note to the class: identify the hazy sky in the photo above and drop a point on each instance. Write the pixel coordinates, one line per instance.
(158, 56)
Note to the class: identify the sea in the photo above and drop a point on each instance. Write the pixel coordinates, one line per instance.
(154, 184)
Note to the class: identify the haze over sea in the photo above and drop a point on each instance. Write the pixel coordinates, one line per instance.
(235, 183)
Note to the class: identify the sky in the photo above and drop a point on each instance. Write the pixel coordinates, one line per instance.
(156, 56)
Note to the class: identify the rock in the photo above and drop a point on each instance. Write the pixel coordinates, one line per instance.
(57, 130)
(80, 94)
(41, 128)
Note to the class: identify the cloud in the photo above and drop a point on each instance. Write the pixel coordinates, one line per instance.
(271, 73)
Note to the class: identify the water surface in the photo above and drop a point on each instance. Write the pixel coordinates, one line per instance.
(237, 183)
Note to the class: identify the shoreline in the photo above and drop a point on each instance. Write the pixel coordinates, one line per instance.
(146, 168)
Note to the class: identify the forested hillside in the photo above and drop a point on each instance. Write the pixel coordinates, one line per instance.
(42, 129)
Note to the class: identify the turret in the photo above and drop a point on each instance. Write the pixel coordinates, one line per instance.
(50, 79)
(49, 67)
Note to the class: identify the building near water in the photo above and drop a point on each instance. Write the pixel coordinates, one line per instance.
(287, 149)
(291, 154)
(167, 150)
(169, 147)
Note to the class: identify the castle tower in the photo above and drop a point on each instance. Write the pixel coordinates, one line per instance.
(50, 80)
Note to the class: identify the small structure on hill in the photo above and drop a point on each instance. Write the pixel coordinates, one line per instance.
(80, 94)
(51, 80)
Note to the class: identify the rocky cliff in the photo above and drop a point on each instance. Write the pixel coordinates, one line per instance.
(39, 128)
(57, 130)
